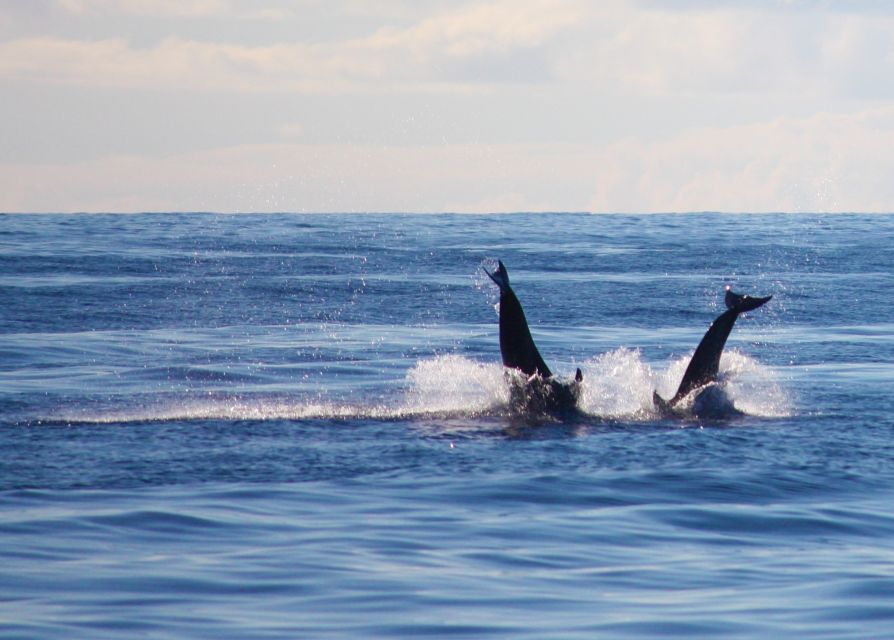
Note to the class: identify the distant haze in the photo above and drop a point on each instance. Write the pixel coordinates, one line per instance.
(431, 106)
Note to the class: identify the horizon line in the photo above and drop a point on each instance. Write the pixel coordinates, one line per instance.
(437, 213)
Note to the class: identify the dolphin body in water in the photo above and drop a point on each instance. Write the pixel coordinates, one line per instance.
(533, 387)
(705, 363)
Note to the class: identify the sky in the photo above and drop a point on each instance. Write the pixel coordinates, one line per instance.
(434, 106)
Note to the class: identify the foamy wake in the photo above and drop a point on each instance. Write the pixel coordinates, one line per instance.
(617, 385)
(447, 385)
(231, 409)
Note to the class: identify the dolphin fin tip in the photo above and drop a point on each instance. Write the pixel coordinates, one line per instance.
(741, 302)
(500, 276)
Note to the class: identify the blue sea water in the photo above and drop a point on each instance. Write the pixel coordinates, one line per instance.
(295, 426)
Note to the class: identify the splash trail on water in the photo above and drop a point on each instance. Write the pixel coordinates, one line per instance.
(617, 385)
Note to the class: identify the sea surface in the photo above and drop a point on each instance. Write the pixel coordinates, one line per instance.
(296, 426)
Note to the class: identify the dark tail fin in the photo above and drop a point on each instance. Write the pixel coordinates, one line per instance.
(500, 276)
(705, 362)
(741, 304)
(662, 405)
(516, 345)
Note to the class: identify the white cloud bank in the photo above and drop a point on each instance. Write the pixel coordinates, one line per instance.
(190, 8)
(825, 143)
(419, 57)
(821, 163)
(611, 48)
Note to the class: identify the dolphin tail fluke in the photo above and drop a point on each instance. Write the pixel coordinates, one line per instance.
(740, 303)
(500, 276)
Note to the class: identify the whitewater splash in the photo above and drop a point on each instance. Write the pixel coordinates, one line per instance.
(617, 385)
(454, 384)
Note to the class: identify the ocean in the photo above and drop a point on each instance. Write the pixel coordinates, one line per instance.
(296, 426)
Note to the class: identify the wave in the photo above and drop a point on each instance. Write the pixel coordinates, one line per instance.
(617, 385)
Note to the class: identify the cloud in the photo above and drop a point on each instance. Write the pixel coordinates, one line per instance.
(177, 64)
(292, 130)
(495, 26)
(567, 105)
(663, 50)
(615, 48)
(182, 8)
(828, 162)
(428, 55)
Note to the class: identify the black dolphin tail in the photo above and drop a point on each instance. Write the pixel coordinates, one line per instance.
(517, 347)
(740, 303)
(705, 362)
(500, 276)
